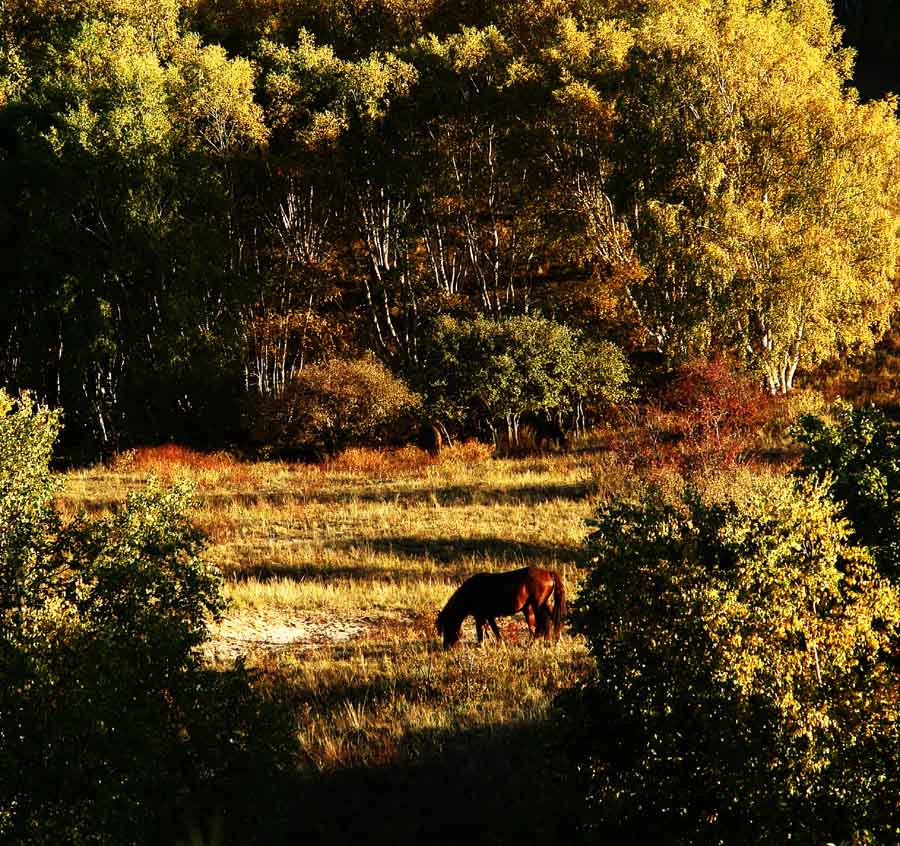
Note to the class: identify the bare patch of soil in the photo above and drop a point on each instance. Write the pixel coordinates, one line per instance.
(257, 631)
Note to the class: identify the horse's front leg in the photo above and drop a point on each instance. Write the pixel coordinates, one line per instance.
(493, 624)
(479, 629)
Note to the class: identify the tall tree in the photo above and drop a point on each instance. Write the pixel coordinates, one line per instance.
(756, 193)
(116, 288)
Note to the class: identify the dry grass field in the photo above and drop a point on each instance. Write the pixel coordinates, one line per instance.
(335, 574)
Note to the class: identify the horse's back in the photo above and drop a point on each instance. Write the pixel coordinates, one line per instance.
(499, 594)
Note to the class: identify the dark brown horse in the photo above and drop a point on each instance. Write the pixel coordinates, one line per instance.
(489, 595)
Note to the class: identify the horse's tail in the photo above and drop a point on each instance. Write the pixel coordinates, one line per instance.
(559, 603)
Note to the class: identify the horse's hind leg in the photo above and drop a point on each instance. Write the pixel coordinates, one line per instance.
(544, 627)
(540, 622)
(528, 611)
(479, 629)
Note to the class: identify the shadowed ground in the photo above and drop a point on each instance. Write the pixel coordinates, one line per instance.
(478, 787)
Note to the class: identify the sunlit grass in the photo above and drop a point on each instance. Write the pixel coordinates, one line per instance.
(382, 539)
(343, 594)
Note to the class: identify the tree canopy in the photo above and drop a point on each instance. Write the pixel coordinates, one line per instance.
(200, 199)
(753, 191)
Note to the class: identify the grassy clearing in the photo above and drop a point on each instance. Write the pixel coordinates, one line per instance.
(385, 538)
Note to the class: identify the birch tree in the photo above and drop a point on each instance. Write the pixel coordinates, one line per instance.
(757, 194)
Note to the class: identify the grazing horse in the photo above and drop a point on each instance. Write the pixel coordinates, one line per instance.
(489, 595)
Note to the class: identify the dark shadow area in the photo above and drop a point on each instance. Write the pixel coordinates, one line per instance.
(93, 507)
(455, 550)
(872, 28)
(455, 555)
(486, 786)
(443, 496)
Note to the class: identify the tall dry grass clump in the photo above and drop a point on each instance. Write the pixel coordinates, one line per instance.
(466, 453)
(378, 462)
(407, 460)
(173, 461)
(167, 457)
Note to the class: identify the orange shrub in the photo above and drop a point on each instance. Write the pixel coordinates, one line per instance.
(333, 405)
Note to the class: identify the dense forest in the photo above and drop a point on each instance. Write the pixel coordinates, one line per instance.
(203, 199)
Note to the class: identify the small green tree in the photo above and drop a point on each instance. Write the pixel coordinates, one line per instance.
(498, 371)
(602, 379)
(112, 730)
(744, 691)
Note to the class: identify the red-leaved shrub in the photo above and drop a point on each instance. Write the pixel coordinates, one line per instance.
(706, 415)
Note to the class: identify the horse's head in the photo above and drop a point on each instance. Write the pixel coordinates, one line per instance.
(447, 628)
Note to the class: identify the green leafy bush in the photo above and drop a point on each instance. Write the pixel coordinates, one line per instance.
(111, 728)
(27, 515)
(333, 405)
(744, 691)
(856, 455)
